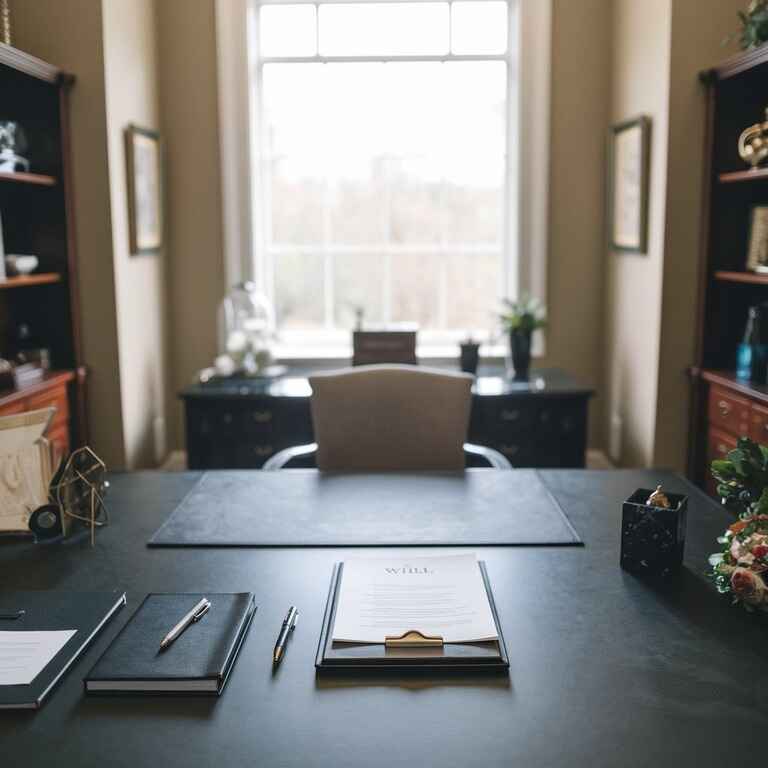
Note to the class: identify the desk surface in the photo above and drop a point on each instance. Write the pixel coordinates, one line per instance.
(604, 671)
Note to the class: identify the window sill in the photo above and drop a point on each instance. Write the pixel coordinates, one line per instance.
(293, 355)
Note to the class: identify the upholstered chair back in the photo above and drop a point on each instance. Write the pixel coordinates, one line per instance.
(390, 417)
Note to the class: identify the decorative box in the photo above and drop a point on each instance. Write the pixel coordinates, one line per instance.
(653, 538)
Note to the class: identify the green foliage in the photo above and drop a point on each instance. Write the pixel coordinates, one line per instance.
(754, 25)
(525, 314)
(742, 478)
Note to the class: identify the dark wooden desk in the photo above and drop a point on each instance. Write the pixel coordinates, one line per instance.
(605, 671)
(240, 423)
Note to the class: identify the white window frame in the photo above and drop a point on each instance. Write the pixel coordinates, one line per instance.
(524, 242)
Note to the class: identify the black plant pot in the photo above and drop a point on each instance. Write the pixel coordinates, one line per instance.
(470, 356)
(520, 352)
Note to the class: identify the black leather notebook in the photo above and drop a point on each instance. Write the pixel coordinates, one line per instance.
(198, 661)
(84, 612)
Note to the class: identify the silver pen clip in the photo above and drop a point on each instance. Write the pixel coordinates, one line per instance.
(199, 615)
(295, 620)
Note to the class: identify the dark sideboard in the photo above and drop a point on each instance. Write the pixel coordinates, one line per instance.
(239, 423)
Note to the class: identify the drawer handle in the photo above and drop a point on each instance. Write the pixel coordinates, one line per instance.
(507, 415)
(262, 417)
(510, 450)
(724, 407)
(262, 450)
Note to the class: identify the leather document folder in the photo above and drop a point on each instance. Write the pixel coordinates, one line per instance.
(197, 662)
(418, 653)
(82, 614)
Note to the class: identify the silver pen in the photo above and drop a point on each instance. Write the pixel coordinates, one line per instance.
(194, 615)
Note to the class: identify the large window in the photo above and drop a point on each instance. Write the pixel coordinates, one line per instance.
(383, 178)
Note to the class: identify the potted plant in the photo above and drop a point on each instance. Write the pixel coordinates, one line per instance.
(520, 319)
(754, 25)
(470, 355)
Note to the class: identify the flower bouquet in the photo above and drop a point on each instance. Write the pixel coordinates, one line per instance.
(741, 567)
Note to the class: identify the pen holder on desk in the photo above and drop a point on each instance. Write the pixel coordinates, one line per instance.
(653, 537)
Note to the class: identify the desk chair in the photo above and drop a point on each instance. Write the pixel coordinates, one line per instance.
(379, 418)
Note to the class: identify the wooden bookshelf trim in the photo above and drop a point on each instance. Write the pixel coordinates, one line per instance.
(44, 278)
(28, 178)
(50, 380)
(752, 278)
(728, 380)
(751, 174)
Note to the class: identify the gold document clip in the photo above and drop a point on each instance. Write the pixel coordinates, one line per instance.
(412, 638)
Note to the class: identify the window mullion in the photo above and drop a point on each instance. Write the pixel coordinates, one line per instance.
(328, 260)
(387, 282)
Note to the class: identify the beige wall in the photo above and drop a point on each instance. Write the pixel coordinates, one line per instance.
(130, 73)
(188, 93)
(69, 34)
(641, 38)
(575, 275)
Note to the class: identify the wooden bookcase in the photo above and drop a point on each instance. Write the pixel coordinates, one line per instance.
(725, 408)
(37, 216)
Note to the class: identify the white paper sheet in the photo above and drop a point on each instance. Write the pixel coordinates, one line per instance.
(24, 654)
(435, 595)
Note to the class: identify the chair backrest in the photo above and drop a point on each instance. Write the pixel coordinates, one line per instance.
(390, 417)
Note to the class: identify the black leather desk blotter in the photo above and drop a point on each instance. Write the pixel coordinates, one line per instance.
(306, 508)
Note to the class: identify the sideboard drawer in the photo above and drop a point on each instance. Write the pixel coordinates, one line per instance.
(759, 424)
(9, 410)
(60, 439)
(729, 412)
(54, 398)
(718, 445)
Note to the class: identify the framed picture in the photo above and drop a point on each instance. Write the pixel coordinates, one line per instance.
(757, 255)
(145, 215)
(630, 155)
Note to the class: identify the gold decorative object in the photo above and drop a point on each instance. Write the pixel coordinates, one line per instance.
(5, 20)
(658, 499)
(753, 143)
(80, 490)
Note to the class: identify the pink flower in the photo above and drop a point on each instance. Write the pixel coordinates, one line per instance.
(748, 586)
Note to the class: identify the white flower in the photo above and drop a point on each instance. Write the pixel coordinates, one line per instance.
(224, 365)
(237, 343)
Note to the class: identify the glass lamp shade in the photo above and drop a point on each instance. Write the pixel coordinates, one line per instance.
(246, 322)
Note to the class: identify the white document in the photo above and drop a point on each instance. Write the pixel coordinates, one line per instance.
(442, 596)
(24, 654)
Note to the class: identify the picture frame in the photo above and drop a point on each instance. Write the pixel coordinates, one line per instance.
(757, 251)
(628, 184)
(144, 182)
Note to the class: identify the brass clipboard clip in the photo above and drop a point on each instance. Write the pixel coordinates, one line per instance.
(412, 638)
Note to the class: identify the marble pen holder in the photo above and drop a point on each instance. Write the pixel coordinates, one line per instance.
(653, 538)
